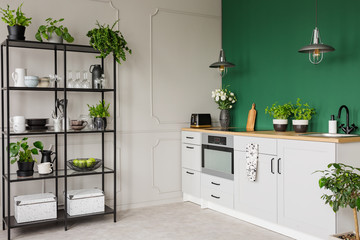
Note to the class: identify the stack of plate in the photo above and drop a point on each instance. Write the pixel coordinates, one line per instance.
(36, 124)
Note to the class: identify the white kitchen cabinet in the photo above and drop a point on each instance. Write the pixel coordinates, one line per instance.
(217, 190)
(299, 197)
(191, 182)
(191, 166)
(258, 198)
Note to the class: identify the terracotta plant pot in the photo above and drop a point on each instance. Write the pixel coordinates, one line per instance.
(300, 126)
(280, 125)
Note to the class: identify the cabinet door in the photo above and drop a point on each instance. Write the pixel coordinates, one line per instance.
(191, 182)
(299, 203)
(258, 198)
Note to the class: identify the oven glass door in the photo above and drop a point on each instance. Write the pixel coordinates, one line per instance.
(218, 161)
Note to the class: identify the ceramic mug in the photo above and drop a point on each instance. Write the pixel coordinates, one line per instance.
(17, 120)
(19, 128)
(19, 77)
(45, 168)
(18, 123)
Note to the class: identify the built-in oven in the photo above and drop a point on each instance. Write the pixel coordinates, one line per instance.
(218, 155)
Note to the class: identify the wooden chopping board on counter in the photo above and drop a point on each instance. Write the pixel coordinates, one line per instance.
(250, 126)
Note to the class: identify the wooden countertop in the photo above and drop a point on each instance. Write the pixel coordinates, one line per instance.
(278, 135)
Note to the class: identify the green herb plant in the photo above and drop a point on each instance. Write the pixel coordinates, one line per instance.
(280, 111)
(52, 26)
(106, 41)
(344, 183)
(12, 17)
(21, 151)
(302, 111)
(100, 110)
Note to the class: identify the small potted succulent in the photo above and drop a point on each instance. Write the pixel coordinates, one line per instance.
(343, 181)
(280, 113)
(101, 110)
(53, 32)
(17, 22)
(21, 153)
(302, 114)
(106, 41)
(225, 100)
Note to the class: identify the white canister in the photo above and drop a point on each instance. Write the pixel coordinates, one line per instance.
(57, 124)
(19, 77)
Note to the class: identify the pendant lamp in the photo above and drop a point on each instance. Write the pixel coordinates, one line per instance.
(316, 48)
(222, 65)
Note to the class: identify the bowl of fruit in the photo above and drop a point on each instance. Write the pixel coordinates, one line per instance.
(84, 164)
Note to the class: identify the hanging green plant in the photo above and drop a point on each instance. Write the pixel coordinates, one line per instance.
(106, 40)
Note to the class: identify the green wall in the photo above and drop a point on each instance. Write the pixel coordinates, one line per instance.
(262, 37)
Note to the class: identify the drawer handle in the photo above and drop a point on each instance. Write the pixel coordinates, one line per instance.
(189, 147)
(215, 196)
(272, 169)
(214, 183)
(191, 173)
(190, 137)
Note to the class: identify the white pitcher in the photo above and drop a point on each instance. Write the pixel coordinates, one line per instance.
(19, 77)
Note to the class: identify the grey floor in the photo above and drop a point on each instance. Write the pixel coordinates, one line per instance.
(178, 221)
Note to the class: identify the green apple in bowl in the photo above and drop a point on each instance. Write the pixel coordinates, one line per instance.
(76, 162)
(82, 163)
(90, 163)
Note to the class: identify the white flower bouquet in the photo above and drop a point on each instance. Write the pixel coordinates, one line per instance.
(224, 98)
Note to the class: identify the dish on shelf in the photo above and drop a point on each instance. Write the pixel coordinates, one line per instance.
(37, 121)
(77, 128)
(84, 164)
(36, 128)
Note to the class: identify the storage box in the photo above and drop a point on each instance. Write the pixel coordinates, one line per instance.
(85, 201)
(35, 207)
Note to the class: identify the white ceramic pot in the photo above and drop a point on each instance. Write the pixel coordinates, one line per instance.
(300, 126)
(280, 121)
(55, 38)
(280, 125)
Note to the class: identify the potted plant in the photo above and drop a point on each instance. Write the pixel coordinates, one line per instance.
(344, 184)
(101, 110)
(21, 153)
(225, 100)
(53, 32)
(302, 114)
(17, 22)
(280, 113)
(106, 41)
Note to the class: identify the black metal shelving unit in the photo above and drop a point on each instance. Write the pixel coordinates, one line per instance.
(9, 221)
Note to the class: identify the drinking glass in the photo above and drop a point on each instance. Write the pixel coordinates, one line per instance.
(70, 81)
(77, 80)
(85, 82)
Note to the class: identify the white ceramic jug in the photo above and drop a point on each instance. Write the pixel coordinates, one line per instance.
(19, 77)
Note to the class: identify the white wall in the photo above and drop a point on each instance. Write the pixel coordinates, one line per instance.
(165, 80)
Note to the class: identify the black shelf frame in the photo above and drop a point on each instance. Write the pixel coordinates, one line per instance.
(9, 221)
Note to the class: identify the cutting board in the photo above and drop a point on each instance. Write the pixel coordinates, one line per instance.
(251, 119)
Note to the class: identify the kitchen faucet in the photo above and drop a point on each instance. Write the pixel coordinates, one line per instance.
(346, 129)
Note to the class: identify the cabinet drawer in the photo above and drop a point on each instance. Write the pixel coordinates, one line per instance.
(217, 183)
(191, 156)
(266, 145)
(191, 182)
(218, 197)
(191, 137)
